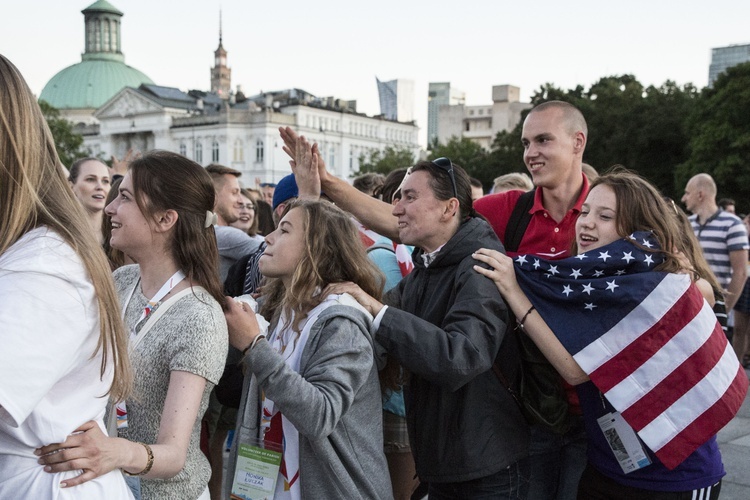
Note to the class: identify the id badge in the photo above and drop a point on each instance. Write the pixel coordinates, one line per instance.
(623, 442)
(256, 471)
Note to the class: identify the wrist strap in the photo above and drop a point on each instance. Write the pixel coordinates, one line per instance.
(252, 344)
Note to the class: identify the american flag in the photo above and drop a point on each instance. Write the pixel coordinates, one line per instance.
(647, 339)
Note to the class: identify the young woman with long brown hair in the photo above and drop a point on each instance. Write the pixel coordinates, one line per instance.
(312, 384)
(64, 345)
(172, 303)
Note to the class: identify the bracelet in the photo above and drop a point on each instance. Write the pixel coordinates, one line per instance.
(252, 344)
(149, 463)
(519, 325)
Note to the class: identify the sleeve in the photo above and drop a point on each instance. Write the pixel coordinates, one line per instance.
(336, 371)
(47, 329)
(496, 208)
(737, 237)
(236, 244)
(473, 329)
(200, 342)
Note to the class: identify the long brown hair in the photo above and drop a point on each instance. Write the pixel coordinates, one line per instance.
(34, 192)
(163, 180)
(333, 253)
(640, 207)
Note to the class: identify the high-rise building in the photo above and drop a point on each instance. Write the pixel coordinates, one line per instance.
(440, 94)
(396, 99)
(481, 124)
(723, 58)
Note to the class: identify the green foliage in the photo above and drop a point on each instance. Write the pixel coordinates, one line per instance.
(385, 161)
(719, 131)
(67, 142)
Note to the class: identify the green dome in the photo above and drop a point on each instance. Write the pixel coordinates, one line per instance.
(91, 83)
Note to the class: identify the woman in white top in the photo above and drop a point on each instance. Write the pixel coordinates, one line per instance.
(90, 181)
(172, 304)
(63, 344)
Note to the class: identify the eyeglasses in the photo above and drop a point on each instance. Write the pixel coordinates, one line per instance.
(445, 164)
(248, 206)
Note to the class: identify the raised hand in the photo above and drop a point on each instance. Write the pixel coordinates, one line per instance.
(365, 300)
(501, 270)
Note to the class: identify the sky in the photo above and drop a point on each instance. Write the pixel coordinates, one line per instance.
(337, 48)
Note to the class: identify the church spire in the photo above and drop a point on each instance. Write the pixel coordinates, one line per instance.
(221, 74)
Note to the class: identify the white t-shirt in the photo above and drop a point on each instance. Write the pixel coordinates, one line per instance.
(49, 383)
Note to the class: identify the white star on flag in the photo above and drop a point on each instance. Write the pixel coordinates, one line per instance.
(627, 257)
(589, 306)
(648, 260)
(611, 285)
(647, 243)
(588, 288)
(567, 290)
(604, 256)
(581, 256)
(521, 259)
(620, 272)
(576, 274)
(537, 264)
(598, 273)
(553, 270)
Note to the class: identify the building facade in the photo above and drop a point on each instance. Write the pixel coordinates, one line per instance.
(242, 133)
(440, 94)
(723, 58)
(482, 123)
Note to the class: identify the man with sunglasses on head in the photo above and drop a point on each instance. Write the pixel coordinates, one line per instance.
(554, 139)
(446, 326)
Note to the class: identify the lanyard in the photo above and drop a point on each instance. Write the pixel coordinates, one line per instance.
(163, 291)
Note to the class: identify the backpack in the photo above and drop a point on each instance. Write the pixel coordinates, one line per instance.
(540, 395)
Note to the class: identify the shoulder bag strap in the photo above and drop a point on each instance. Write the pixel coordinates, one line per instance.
(518, 221)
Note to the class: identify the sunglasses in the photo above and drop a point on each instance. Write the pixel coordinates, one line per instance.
(445, 164)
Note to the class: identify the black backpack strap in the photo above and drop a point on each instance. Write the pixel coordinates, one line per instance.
(518, 221)
(381, 246)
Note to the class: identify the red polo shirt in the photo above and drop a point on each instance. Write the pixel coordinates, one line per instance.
(543, 237)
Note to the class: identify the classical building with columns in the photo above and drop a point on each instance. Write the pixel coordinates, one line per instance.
(221, 125)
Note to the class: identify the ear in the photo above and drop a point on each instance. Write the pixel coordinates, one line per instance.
(579, 142)
(451, 208)
(166, 220)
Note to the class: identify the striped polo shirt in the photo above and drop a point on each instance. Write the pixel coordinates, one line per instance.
(722, 233)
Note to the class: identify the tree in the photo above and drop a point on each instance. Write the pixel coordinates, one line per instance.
(466, 153)
(719, 131)
(385, 161)
(67, 142)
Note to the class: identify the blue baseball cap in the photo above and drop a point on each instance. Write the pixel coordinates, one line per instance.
(286, 188)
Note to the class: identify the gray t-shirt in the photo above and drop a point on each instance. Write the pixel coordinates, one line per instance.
(233, 245)
(191, 336)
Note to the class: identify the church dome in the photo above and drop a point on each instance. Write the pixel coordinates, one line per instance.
(102, 71)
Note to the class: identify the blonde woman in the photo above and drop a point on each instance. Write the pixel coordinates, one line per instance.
(90, 181)
(64, 345)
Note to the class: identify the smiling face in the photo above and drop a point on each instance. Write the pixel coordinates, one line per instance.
(596, 226)
(92, 185)
(423, 220)
(131, 231)
(247, 214)
(228, 199)
(550, 148)
(286, 247)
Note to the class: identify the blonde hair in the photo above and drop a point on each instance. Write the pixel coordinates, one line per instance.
(34, 192)
(333, 253)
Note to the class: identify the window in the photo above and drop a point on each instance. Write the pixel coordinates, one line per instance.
(259, 151)
(332, 157)
(239, 153)
(183, 149)
(199, 152)
(215, 151)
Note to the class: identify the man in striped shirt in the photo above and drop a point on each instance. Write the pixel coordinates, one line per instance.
(722, 236)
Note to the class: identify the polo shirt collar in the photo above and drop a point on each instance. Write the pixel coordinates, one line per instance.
(576, 208)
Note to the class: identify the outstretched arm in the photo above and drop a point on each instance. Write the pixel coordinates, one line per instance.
(503, 274)
(373, 213)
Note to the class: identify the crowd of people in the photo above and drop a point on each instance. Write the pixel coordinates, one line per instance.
(565, 336)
